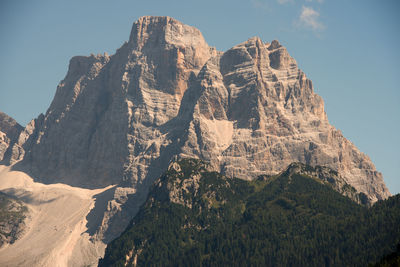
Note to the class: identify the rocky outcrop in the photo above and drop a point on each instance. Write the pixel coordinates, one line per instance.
(165, 94)
(9, 133)
(12, 219)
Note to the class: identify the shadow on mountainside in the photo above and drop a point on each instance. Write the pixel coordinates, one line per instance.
(96, 215)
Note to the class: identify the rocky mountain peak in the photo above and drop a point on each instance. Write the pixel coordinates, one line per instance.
(166, 94)
(152, 31)
(173, 48)
(274, 45)
(9, 126)
(9, 133)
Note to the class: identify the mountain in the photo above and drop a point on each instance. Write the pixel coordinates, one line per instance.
(194, 217)
(166, 94)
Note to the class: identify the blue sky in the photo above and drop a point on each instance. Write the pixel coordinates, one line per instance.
(349, 49)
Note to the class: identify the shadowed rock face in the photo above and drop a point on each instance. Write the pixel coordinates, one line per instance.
(105, 124)
(164, 94)
(9, 133)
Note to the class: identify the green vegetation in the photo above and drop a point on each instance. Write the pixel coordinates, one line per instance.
(12, 216)
(197, 218)
(391, 260)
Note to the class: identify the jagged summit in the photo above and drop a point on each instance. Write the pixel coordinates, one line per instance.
(163, 30)
(165, 93)
(174, 50)
(274, 45)
(10, 131)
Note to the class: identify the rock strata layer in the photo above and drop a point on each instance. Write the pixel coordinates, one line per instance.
(166, 94)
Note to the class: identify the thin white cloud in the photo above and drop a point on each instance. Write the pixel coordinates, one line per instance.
(309, 18)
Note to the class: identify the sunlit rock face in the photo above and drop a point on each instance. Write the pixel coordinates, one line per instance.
(166, 94)
(257, 112)
(107, 122)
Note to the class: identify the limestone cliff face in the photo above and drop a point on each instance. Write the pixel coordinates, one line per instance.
(257, 112)
(105, 124)
(164, 94)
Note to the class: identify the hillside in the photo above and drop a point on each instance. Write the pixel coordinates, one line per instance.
(12, 219)
(194, 217)
(57, 224)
